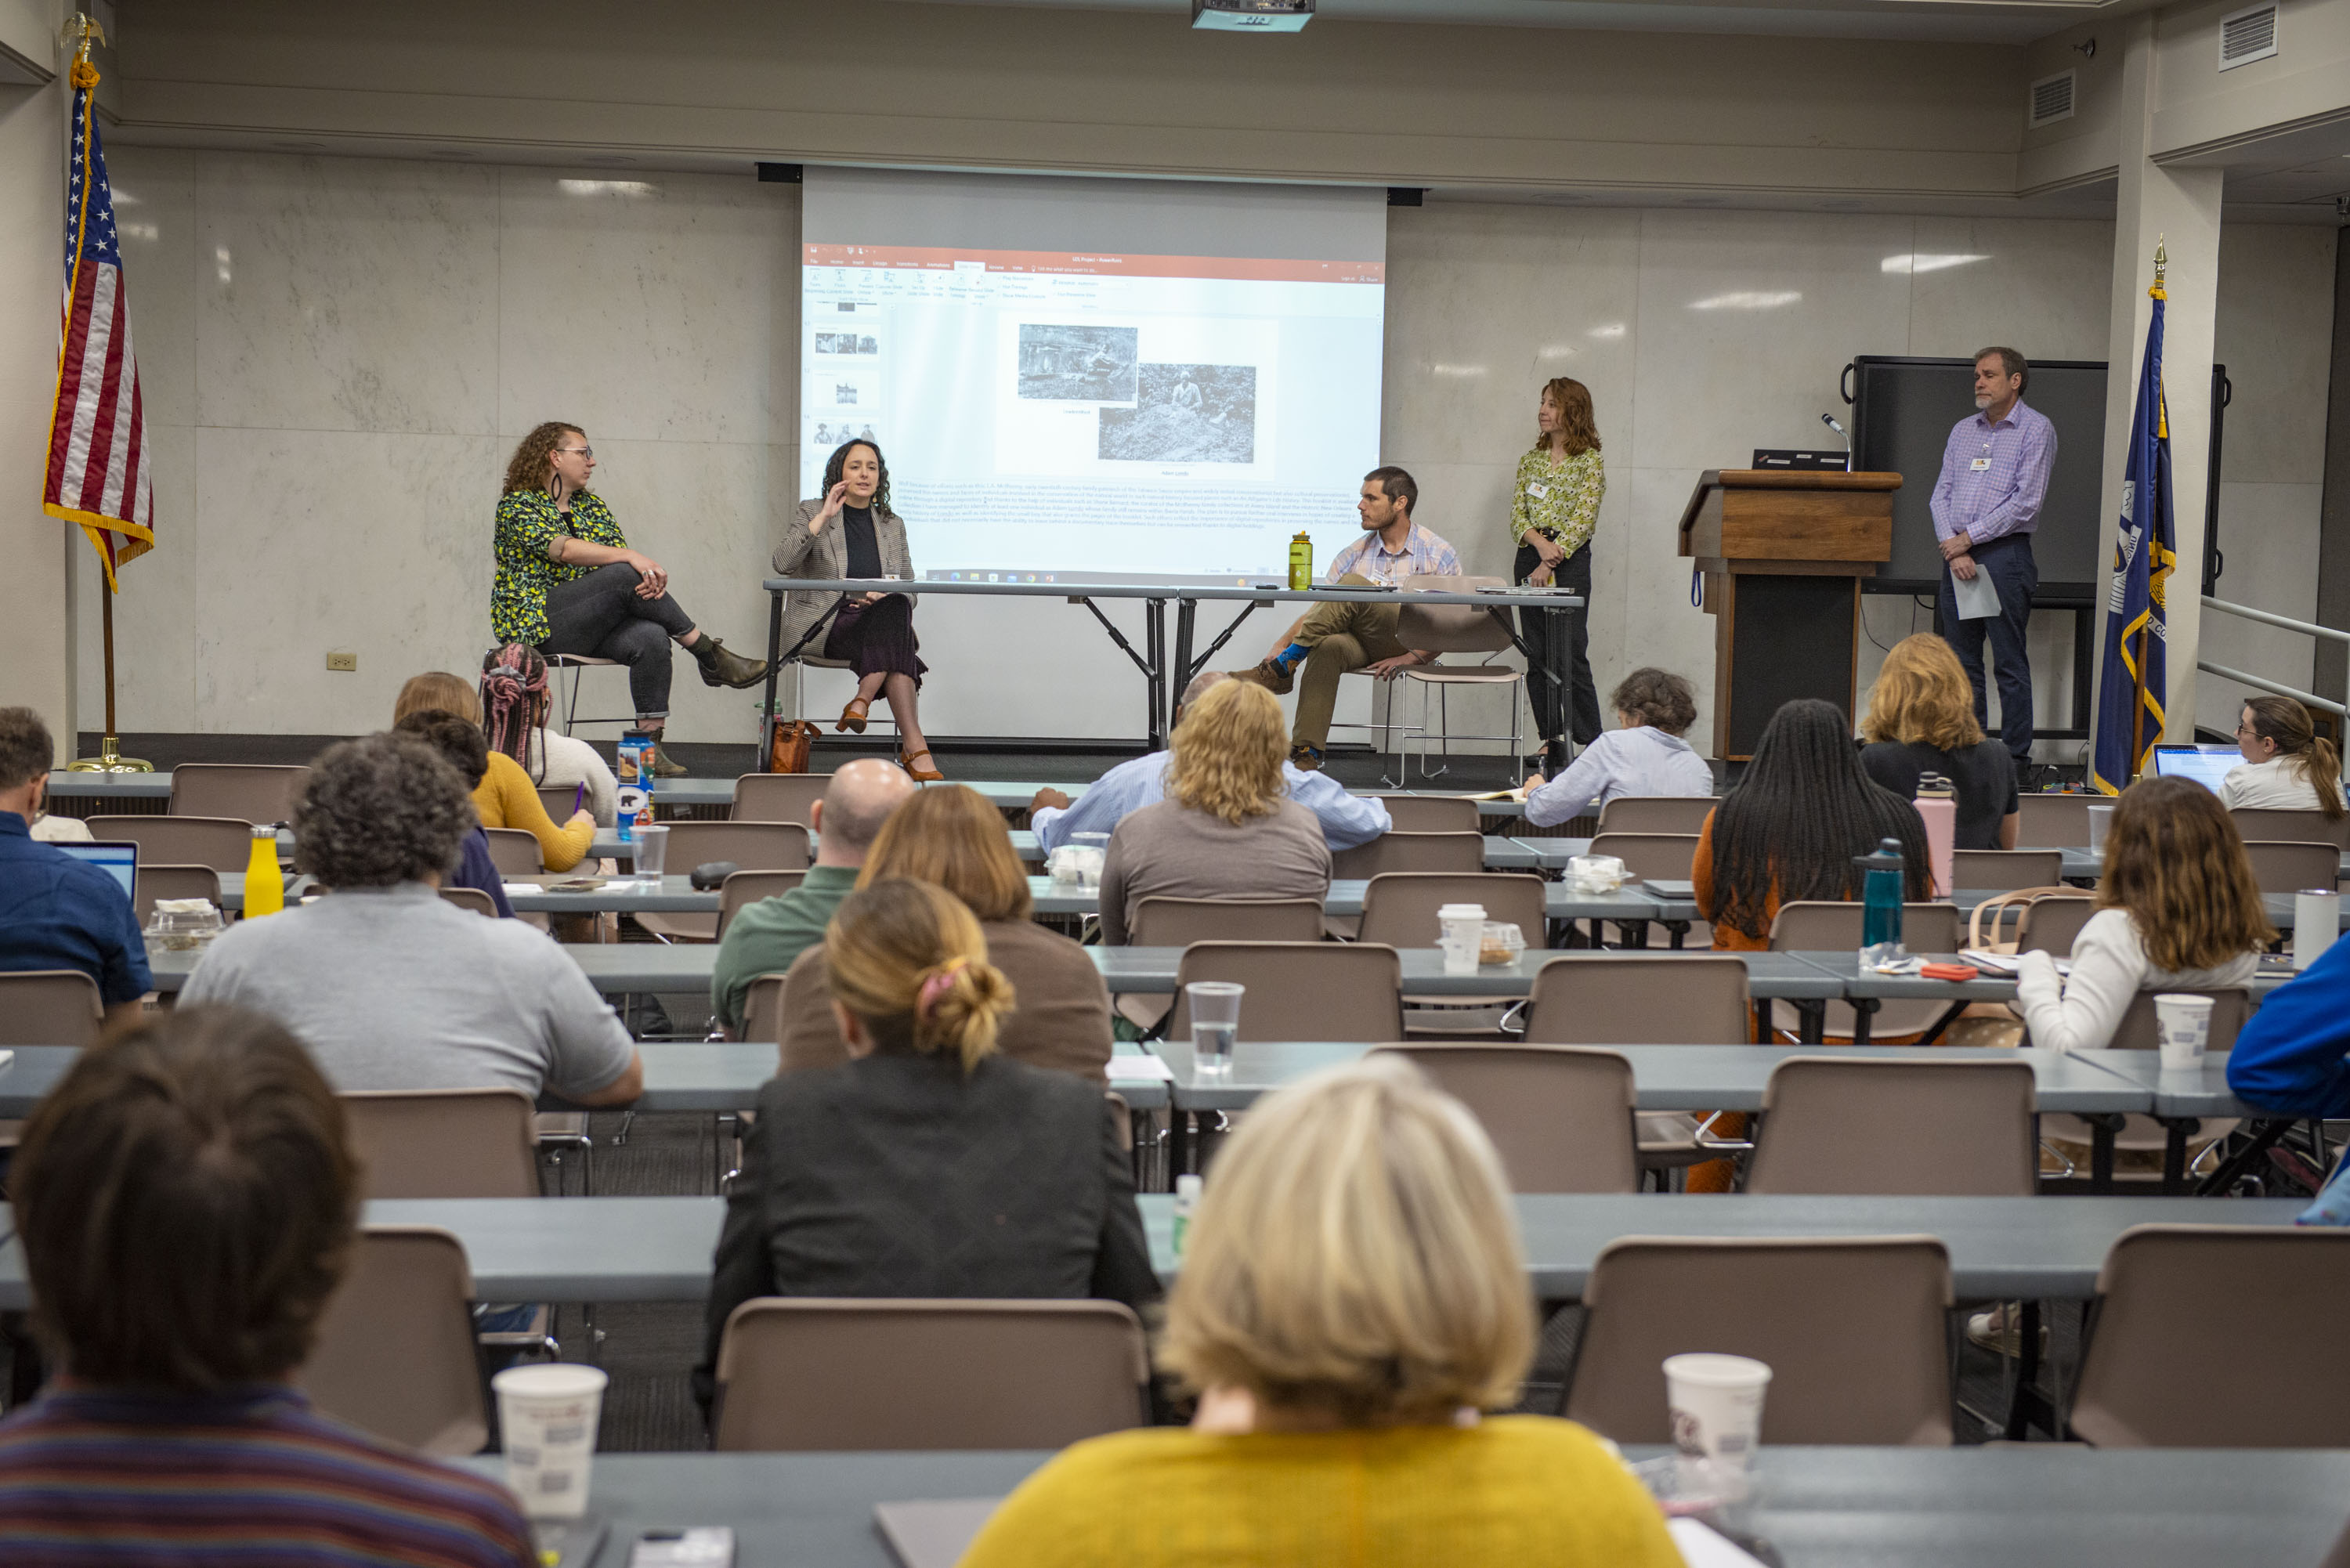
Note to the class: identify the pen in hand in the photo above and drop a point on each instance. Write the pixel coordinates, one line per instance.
(579, 797)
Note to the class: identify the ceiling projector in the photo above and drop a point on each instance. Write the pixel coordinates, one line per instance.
(1251, 15)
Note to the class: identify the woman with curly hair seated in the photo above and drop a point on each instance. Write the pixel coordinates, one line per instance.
(390, 985)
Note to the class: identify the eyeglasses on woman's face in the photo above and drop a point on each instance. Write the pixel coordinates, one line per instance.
(585, 451)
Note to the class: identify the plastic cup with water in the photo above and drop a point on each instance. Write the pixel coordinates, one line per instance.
(2101, 817)
(653, 852)
(548, 1414)
(2316, 922)
(1716, 1403)
(2184, 1023)
(1215, 1021)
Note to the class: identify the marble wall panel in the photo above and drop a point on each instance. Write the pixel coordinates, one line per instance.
(157, 613)
(657, 306)
(155, 219)
(2270, 541)
(2037, 284)
(2273, 331)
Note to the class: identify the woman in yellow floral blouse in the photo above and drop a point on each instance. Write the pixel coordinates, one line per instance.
(568, 583)
(1553, 513)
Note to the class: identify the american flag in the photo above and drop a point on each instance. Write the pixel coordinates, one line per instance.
(97, 458)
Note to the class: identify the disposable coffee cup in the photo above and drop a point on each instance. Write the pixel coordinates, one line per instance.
(1716, 1403)
(1462, 933)
(652, 851)
(2100, 818)
(546, 1414)
(2184, 1023)
(2316, 922)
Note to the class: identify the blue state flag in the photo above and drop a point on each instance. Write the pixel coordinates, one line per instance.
(2131, 687)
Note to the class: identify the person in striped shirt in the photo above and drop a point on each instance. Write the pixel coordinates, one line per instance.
(186, 1200)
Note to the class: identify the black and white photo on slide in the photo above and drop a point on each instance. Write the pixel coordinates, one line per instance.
(1185, 413)
(1078, 364)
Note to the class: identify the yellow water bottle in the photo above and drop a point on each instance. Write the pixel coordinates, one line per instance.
(264, 891)
(1301, 561)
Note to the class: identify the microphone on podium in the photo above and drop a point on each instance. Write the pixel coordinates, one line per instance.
(1830, 421)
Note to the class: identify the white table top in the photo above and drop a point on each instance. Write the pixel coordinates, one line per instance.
(1256, 592)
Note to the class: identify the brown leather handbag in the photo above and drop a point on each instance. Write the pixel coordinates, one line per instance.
(787, 745)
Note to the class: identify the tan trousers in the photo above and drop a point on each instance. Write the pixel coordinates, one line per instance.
(1343, 636)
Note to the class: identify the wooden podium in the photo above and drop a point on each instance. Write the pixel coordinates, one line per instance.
(1782, 553)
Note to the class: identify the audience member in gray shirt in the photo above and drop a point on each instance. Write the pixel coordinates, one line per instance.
(391, 986)
(1227, 828)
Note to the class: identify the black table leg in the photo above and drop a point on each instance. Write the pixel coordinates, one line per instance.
(2101, 1129)
(2174, 1151)
(1187, 615)
(2030, 1407)
(1863, 1009)
(1155, 682)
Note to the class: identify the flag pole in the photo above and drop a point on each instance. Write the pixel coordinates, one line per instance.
(2137, 713)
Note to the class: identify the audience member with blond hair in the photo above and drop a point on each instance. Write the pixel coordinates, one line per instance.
(1227, 828)
(928, 1164)
(1921, 719)
(2176, 910)
(2288, 765)
(1353, 1299)
(505, 797)
(952, 836)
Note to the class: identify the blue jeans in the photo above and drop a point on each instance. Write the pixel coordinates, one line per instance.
(2009, 564)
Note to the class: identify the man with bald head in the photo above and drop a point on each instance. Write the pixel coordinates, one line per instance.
(1346, 820)
(765, 937)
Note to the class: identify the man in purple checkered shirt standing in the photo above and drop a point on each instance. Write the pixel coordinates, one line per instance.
(1986, 505)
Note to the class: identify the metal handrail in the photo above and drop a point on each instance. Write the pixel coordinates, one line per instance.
(2307, 699)
(2309, 629)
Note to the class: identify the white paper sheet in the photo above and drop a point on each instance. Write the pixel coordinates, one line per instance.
(1976, 599)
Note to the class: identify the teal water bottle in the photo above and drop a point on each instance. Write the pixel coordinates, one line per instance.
(1880, 898)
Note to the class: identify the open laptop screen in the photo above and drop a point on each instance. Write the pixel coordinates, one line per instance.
(119, 861)
(2207, 765)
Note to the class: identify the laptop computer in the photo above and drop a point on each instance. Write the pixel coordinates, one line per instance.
(118, 858)
(2206, 764)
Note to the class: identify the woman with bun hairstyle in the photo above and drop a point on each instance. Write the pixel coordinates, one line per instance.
(2288, 765)
(927, 1164)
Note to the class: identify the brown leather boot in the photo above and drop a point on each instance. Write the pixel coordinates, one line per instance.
(721, 668)
(1270, 676)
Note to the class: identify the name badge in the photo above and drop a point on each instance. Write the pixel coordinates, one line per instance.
(1981, 465)
(1540, 491)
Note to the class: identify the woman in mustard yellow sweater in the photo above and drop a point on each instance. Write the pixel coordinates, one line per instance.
(505, 797)
(1352, 1297)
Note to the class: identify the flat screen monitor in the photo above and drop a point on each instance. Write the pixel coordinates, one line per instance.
(2207, 765)
(118, 860)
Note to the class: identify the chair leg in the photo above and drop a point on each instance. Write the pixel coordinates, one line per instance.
(571, 713)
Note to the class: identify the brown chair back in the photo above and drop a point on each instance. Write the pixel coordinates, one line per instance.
(2280, 867)
(444, 1143)
(1659, 857)
(777, 797)
(1656, 813)
(2231, 1007)
(1828, 925)
(2219, 1336)
(2001, 870)
(1400, 907)
(2292, 826)
(1877, 1124)
(471, 899)
(50, 1007)
(2054, 821)
(1402, 851)
(558, 799)
(173, 882)
(514, 852)
(742, 888)
(1430, 813)
(395, 1353)
(1640, 999)
(1450, 628)
(762, 1009)
(1164, 922)
(816, 1375)
(752, 845)
(222, 844)
(1300, 990)
(2052, 921)
(250, 792)
(1881, 1376)
(1560, 1116)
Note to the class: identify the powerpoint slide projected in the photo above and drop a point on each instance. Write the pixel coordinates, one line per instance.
(1096, 418)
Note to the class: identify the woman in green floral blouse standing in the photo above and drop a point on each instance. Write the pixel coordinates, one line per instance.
(1553, 513)
(568, 583)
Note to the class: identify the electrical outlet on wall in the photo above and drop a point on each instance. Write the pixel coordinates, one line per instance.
(343, 662)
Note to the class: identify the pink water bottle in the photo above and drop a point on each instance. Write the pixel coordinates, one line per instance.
(1938, 804)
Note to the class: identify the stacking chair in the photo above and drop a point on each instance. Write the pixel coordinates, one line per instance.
(395, 1353)
(2218, 1336)
(1300, 990)
(763, 1008)
(2003, 870)
(2052, 921)
(249, 792)
(175, 882)
(558, 799)
(751, 845)
(1561, 1116)
(1829, 926)
(514, 852)
(742, 887)
(577, 664)
(1657, 857)
(2293, 827)
(1431, 813)
(471, 899)
(816, 1375)
(2286, 867)
(1455, 629)
(1166, 923)
(1400, 907)
(777, 797)
(1878, 1373)
(50, 1007)
(2054, 821)
(1399, 850)
(1878, 1125)
(1656, 813)
(224, 843)
(2139, 1030)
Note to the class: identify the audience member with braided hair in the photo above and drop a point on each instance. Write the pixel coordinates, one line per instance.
(928, 1164)
(2288, 765)
(515, 702)
(1793, 827)
(505, 797)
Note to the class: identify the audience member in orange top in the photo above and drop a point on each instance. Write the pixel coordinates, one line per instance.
(505, 797)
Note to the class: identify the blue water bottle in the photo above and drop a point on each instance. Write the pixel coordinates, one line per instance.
(1880, 901)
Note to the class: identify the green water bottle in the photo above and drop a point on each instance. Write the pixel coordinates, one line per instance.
(1186, 1198)
(1301, 561)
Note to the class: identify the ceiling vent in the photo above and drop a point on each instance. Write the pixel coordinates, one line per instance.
(2051, 101)
(2247, 35)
